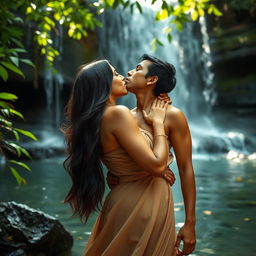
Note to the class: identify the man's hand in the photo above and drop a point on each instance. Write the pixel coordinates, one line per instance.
(188, 235)
(169, 176)
(112, 180)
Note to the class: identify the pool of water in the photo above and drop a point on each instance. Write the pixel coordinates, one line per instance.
(226, 202)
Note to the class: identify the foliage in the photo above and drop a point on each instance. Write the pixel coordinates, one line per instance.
(6, 128)
(45, 17)
(178, 12)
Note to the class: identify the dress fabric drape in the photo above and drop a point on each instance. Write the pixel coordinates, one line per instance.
(137, 217)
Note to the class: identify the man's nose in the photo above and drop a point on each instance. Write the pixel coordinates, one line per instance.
(129, 73)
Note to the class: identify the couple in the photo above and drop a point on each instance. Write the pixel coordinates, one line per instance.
(137, 217)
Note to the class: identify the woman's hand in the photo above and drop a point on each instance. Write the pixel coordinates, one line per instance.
(157, 112)
(169, 176)
(165, 97)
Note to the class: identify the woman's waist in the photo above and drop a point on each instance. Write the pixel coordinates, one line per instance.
(132, 176)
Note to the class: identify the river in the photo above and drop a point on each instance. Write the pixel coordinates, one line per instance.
(226, 202)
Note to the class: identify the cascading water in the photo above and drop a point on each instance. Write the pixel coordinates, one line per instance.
(53, 83)
(50, 142)
(127, 36)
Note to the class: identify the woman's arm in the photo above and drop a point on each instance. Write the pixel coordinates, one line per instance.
(113, 180)
(126, 131)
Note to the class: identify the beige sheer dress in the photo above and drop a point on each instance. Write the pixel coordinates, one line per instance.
(137, 218)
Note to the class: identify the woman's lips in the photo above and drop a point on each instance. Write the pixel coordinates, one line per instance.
(126, 80)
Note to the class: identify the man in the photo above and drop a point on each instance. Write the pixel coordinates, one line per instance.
(149, 79)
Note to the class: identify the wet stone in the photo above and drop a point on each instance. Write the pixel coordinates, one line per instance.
(26, 231)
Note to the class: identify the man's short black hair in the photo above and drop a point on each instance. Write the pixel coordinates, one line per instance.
(164, 71)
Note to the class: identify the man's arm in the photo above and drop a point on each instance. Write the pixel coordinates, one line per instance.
(180, 138)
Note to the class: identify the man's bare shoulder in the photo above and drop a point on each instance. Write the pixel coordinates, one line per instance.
(173, 112)
(175, 116)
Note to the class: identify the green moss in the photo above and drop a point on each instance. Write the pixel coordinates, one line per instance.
(238, 40)
(236, 83)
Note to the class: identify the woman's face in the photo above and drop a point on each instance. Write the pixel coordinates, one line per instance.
(118, 84)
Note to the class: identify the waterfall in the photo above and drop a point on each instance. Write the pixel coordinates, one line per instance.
(53, 83)
(125, 37)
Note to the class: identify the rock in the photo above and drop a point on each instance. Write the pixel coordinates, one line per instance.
(26, 231)
(212, 145)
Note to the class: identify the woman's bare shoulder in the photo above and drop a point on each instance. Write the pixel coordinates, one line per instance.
(116, 112)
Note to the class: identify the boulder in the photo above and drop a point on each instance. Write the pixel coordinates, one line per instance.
(26, 231)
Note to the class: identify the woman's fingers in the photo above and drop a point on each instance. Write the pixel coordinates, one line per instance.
(154, 103)
(158, 103)
(166, 104)
(164, 97)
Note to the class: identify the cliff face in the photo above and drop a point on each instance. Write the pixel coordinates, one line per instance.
(233, 45)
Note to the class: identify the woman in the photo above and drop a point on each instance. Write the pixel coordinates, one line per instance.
(137, 215)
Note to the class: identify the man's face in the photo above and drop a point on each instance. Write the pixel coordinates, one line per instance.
(136, 77)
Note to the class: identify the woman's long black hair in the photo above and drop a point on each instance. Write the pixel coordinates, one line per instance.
(82, 133)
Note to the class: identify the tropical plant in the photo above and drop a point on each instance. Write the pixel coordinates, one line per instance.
(9, 148)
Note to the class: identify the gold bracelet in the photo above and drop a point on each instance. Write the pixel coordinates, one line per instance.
(161, 135)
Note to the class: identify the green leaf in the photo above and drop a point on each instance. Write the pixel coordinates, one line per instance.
(217, 12)
(27, 61)
(18, 178)
(153, 44)
(162, 14)
(3, 73)
(17, 42)
(110, 2)
(8, 96)
(13, 68)
(20, 164)
(159, 42)
(139, 7)
(26, 133)
(17, 148)
(5, 111)
(169, 37)
(194, 15)
(17, 137)
(165, 5)
(5, 122)
(17, 113)
(5, 105)
(125, 4)
(17, 50)
(49, 21)
(131, 8)
(25, 152)
(15, 60)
